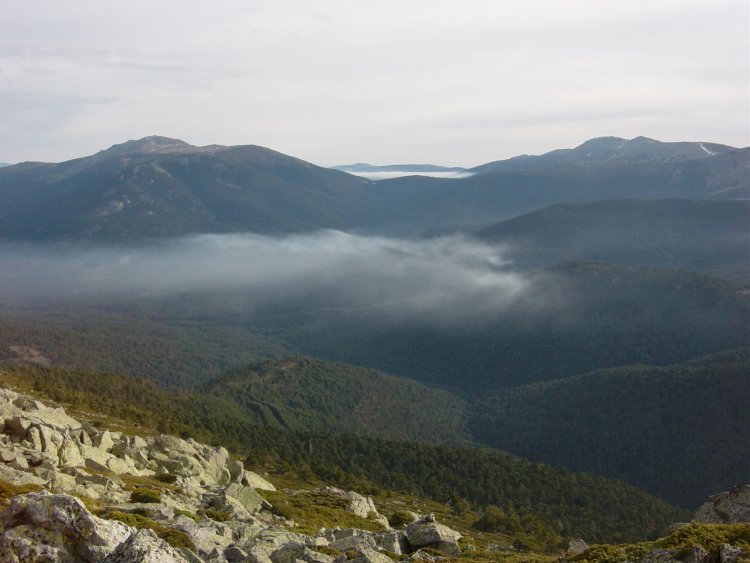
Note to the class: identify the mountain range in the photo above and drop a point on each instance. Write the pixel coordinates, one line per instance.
(587, 308)
(159, 187)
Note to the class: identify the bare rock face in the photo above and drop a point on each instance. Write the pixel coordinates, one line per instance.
(40, 524)
(729, 507)
(144, 547)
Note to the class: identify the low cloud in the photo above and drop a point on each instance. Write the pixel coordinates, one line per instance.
(446, 278)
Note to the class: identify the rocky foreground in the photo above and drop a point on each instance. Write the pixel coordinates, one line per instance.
(204, 503)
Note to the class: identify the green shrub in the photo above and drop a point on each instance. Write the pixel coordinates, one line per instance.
(327, 550)
(145, 495)
(166, 478)
(400, 518)
(217, 515)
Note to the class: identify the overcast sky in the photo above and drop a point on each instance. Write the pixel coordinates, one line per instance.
(393, 81)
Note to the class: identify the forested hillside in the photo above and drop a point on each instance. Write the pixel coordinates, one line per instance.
(305, 393)
(680, 430)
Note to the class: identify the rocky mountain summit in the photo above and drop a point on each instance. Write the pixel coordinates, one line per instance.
(76, 492)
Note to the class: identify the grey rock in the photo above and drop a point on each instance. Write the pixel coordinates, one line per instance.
(35, 437)
(292, 552)
(27, 544)
(256, 481)
(258, 554)
(234, 554)
(7, 455)
(17, 426)
(427, 532)
(393, 541)
(729, 507)
(103, 441)
(359, 541)
(247, 497)
(70, 454)
(367, 556)
(730, 553)
(360, 505)
(576, 547)
(144, 547)
(64, 521)
(16, 477)
(29, 404)
(52, 440)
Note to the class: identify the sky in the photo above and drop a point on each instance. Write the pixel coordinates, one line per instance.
(393, 81)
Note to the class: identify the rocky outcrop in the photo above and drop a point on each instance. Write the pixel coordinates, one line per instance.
(196, 496)
(729, 507)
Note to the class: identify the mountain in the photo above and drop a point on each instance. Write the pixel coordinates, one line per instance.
(650, 426)
(699, 235)
(160, 187)
(610, 151)
(3, 164)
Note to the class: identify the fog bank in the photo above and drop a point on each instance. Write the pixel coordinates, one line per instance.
(450, 276)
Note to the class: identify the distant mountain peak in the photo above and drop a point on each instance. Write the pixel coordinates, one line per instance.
(152, 144)
(611, 151)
